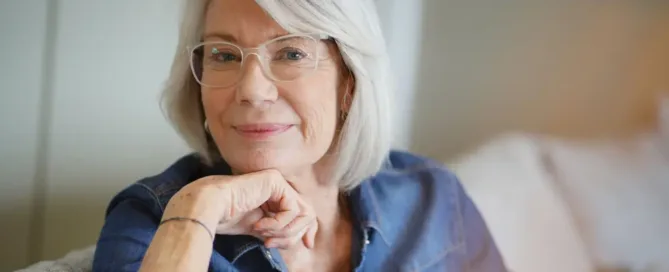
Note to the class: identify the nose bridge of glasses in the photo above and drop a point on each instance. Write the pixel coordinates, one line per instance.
(261, 61)
(260, 52)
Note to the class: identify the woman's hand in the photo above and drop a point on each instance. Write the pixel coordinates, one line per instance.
(261, 204)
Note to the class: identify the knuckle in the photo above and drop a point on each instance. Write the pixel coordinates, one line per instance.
(272, 175)
(267, 181)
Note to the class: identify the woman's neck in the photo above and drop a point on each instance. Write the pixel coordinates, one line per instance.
(333, 239)
(323, 197)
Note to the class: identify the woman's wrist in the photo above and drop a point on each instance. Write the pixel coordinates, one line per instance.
(187, 240)
(197, 210)
(180, 219)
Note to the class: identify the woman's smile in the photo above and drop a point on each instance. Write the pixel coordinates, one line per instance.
(261, 131)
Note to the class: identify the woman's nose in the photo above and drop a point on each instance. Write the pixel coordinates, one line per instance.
(255, 88)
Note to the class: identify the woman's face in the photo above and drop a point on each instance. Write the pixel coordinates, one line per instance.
(258, 123)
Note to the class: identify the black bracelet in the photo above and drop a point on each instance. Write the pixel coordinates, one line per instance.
(178, 218)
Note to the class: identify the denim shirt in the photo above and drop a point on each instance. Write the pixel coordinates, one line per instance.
(413, 215)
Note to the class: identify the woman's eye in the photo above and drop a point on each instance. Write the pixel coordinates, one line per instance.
(291, 54)
(224, 57)
(220, 56)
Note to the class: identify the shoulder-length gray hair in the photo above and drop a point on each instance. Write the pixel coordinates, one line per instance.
(365, 137)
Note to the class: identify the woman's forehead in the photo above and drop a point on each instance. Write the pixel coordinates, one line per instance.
(240, 21)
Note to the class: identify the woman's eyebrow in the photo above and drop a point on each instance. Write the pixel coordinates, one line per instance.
(221, 36)
(231, 38)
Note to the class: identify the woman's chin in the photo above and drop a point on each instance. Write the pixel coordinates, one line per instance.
(250, 167)
(248, 161)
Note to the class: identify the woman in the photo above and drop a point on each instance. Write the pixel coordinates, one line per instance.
(285, 104)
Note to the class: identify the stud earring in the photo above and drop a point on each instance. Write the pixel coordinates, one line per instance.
(344, 113)
(345, 102)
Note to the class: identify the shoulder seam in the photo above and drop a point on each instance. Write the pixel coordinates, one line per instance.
(460, 244)
(153, 195)
(416, 168)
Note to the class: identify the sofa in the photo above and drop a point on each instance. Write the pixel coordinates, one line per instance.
(566, 205)
(78, 260)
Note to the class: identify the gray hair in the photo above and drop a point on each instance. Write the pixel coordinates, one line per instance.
(365, 137)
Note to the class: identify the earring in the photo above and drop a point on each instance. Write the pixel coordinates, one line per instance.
(206, 126)
(345, 102)
(344, 115)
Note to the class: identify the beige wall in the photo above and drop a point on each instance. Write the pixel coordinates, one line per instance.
(79, 116)
(574, 68)
(21, 63)
(107, 128)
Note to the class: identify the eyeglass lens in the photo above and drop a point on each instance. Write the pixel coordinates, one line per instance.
(220, 64)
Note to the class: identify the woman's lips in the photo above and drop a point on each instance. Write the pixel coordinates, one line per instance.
(261, 131)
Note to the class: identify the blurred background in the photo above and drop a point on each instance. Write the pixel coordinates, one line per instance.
(79, 85)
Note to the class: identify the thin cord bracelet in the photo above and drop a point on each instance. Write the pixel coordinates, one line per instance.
(178, 218)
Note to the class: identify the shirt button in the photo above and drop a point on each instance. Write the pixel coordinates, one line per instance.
(268, 254)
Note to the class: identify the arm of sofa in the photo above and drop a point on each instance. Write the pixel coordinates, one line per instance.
(526, 216)
(80, 260)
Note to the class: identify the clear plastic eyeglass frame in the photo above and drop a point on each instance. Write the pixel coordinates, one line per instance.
(197, 69)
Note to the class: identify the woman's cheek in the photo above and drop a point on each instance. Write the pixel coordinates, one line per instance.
(319, 127)
(312, 122)
(215, 105)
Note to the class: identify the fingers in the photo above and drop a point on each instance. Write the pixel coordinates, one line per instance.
(309, 239)
(288, 210)
(284, 242)
(242, 226)
(295, 227)
(267, 206)
(302, 227)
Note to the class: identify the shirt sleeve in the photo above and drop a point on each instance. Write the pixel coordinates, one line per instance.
(131, 221)
(482, 254)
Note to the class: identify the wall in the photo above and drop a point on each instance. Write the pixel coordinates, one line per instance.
(80, 83)
(21, 86)
(402, 37)
(570, 68)
(107, 128)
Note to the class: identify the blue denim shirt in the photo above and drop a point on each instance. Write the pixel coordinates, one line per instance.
(413, 215)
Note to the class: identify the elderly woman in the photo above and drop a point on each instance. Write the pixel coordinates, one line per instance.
(285, 104)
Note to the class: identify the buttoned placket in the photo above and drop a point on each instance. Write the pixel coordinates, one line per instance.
(365, 242)
(274, 258)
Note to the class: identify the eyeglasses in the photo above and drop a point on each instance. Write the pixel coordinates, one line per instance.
(219, 64)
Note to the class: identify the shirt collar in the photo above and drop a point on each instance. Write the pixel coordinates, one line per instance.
(367, 208)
